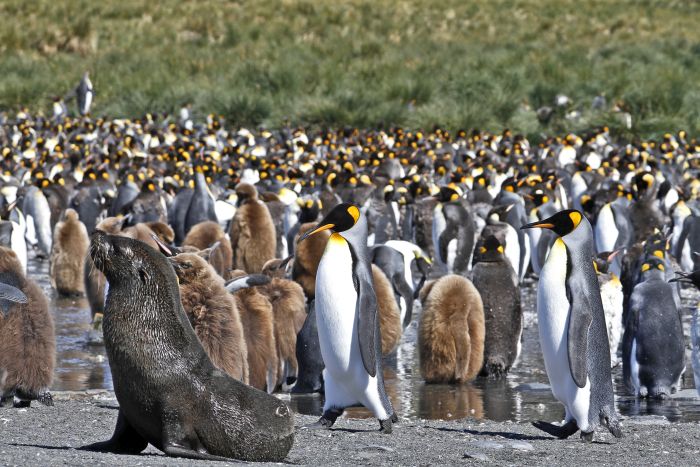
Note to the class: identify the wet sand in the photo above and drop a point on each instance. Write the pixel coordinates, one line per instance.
(50, 435)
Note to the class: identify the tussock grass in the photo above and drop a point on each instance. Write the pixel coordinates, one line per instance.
(487, 64)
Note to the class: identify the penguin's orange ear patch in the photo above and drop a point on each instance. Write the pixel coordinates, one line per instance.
(575, 217)
(354, 212)
(646, 267)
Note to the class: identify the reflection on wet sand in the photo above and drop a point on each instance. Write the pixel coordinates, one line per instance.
(450, 401)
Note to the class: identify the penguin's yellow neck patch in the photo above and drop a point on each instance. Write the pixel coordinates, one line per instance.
(338, 239)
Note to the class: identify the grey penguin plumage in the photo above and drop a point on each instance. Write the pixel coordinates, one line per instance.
(201, 208)
(348, 321)
(574, 344)
(391, 262)
(653, 347)
(453, 232)
(495, 279)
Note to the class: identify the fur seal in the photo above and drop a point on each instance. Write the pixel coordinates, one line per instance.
(27, 341)
(70, 246)
(169, 392)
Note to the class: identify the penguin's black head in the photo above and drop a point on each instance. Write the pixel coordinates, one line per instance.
(653, 264)
(562, 223)
(341, 218)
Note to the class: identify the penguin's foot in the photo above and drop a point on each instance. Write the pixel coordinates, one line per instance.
(21, 404)
(560, 431)
(387, 426)
(326, 421)
(45, 398)
(587, 437)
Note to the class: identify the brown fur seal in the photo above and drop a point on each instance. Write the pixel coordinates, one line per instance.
(307, 256)
(451, 331)
(207, 234)
(170, 393)
(388, 310)
(213, 314)
(257, 317)
(27, 340)
(253, 237)
(68, 252)
(289, 309)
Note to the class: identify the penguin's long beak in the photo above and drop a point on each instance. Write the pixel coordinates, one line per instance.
(539, 225)
(318, 229)
(681, 277)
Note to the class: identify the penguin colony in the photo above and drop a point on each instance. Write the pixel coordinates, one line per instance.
(347, 227)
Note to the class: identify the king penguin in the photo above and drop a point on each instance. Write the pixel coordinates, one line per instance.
(574, 343)
(348, 325)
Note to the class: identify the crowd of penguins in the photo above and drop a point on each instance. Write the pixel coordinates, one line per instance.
(443, 210)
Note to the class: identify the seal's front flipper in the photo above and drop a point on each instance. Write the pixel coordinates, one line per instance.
(560, 431)
(125, 440)
(174, 450)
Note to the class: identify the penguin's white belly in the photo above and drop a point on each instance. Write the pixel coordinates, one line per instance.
(346, 380)
(512, 249)
(451, 255)
(606, 232)
(612, 298)
(19, 244)
(553, 320)
(439, 225)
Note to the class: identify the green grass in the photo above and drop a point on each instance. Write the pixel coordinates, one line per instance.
(486, 64)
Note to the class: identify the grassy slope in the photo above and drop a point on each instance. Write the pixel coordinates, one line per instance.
(360, 62)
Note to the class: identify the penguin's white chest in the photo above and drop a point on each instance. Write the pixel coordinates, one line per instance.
(606, 232)
(553, 320)
(336, 300)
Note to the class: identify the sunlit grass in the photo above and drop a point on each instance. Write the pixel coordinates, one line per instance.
(487, 64)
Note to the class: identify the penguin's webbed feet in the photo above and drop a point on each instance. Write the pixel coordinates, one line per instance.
(326, 421)
(560, 431)
(587, 437)
(387, 426)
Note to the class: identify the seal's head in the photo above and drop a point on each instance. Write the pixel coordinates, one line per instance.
(121, 258)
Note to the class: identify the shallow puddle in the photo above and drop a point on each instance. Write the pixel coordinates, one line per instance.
(524, 395)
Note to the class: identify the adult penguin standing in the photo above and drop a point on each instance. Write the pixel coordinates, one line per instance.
(348, 325)
(575, 343)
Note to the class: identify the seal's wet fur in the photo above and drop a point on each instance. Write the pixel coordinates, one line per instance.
(169, 392)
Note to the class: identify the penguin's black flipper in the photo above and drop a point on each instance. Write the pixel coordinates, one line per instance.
(579, 322)
(560, 431)
(368, 326)
(9, 295)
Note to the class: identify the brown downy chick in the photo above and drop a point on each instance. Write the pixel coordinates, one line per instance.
(207, 234)
(27, 340)
(388, 310)
(213, 314)
(253, 237)
(307, 256)
(257, 317)
(68, 252)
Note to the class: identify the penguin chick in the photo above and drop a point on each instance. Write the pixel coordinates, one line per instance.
(497, 283)
(309, 358)
(451, 331)
(388, 310)
(95, 281)
(68, 252)
(289, 309)
(257, 317)
(213, 314)
(27, 340)
(574, 343)
(277, 268)
(253, 235)
(653, 344)
(612, 297)
(207, 234)
(308, 256)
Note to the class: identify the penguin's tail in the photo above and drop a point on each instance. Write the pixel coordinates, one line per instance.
(609, 419)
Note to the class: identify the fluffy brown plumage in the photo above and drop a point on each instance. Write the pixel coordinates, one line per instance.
(206, 234)
(289, 309)
(253, 237)
(274, 268)
(307, 256)
(213, 314)
(68, 251)
(27, 340)
(451, 331)
(257, 318)
(388, 310)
